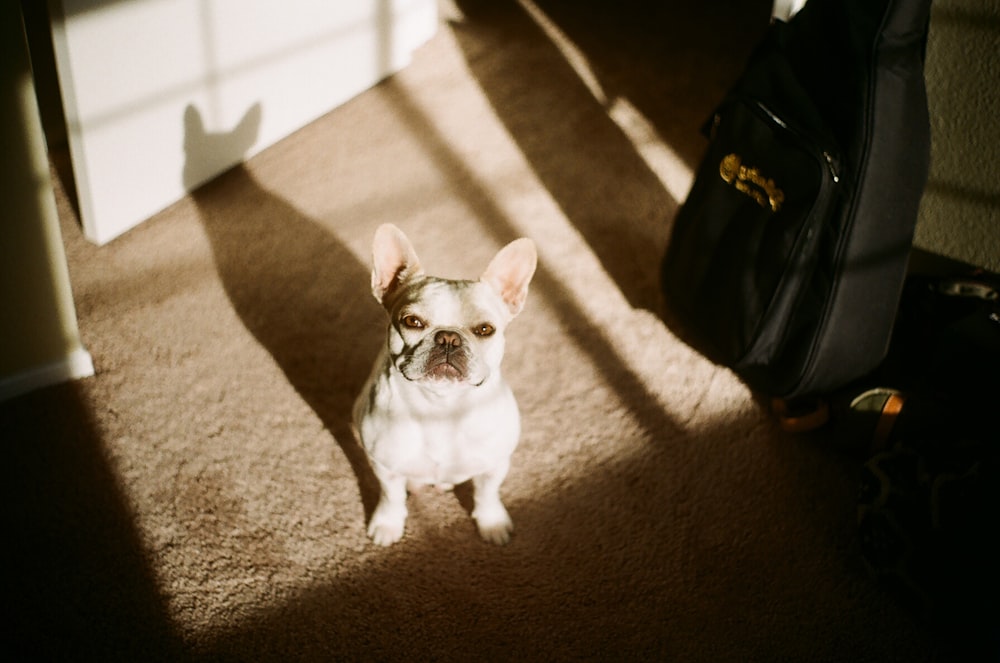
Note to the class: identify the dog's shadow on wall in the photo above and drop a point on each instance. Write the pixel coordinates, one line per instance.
(297, 289)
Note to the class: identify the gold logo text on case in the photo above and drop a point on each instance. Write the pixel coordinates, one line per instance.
(752, 182)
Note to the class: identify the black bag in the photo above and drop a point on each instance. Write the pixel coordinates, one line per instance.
(787, 259)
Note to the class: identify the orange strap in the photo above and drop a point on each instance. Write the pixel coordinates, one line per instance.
(801, 421)
(890, 411)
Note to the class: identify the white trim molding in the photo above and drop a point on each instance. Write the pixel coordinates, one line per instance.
(78, 364)
(784, 10)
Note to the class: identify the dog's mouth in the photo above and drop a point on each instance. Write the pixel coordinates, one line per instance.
(444, 371)
(437, 369)
(447, 364)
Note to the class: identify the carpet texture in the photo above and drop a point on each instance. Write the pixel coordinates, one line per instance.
(201, 497)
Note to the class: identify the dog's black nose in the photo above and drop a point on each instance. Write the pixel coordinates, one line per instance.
(448, 339)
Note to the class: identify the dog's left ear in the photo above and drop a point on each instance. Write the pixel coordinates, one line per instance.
(510, 271)
(393, 262)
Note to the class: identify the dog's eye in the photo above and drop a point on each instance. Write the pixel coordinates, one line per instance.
(484, 329)
(413, 322)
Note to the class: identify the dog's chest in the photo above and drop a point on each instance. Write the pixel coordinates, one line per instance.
(449, 452)
(446, 448)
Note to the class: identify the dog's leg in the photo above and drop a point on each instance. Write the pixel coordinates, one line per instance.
(488, 511)
(386, 525)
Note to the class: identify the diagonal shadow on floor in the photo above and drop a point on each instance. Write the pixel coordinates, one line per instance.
(656, 58)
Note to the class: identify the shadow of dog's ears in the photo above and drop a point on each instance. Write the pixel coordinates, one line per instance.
(207, 154)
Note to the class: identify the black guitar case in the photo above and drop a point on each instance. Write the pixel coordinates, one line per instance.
(787, 259)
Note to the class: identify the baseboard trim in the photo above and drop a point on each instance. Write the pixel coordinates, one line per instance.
(77, 364)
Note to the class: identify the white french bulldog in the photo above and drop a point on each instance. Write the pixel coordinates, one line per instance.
(436, 409)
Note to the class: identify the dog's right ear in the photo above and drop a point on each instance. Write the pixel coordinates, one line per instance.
(394, 262)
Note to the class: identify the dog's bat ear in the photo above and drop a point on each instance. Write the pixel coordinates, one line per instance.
(510, 271)
(394, 262)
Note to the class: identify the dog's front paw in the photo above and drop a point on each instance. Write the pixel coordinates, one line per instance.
(386, 528)
(494, 526)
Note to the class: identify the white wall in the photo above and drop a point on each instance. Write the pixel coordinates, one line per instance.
(130, 69)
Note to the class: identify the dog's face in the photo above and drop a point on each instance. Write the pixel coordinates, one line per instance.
(448, 332)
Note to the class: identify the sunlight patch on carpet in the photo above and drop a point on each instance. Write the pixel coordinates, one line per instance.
(662, 160)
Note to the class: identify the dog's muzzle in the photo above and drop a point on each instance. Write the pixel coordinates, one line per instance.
(448, 359)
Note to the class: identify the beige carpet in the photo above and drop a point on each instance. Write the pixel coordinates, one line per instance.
(200, 498)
